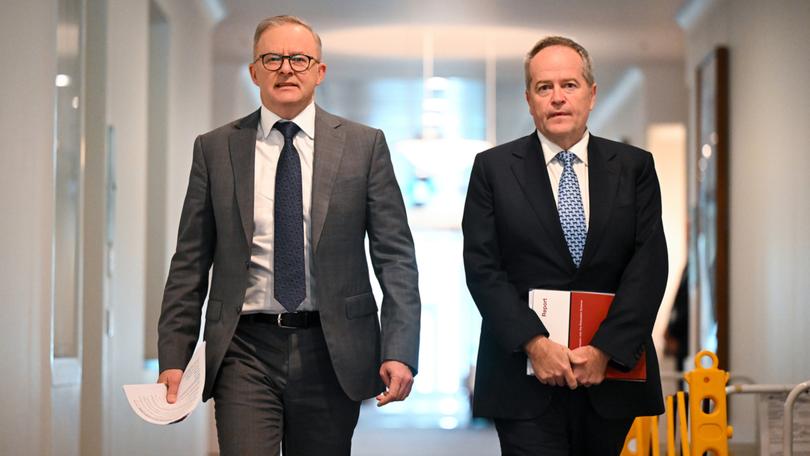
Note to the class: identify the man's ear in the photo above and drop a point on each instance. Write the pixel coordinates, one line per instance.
(252, 71)
(321, 73)
(528, 102)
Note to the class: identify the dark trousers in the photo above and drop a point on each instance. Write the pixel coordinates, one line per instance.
(277, 388)
(568, 427)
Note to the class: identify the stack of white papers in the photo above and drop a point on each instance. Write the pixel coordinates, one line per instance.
(555, 313)
(149, 401)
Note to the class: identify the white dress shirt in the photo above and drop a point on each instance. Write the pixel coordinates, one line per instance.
(555, 168)
(259, 296)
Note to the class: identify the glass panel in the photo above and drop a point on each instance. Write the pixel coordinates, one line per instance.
(157, 163)
(434, 128)
(68, 181)
(707, 217)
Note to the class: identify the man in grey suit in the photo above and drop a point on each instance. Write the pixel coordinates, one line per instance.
(279, 203)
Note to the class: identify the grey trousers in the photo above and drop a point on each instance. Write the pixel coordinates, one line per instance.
(277, 388)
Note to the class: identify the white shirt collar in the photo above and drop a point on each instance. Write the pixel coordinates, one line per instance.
(550, 149)
(305, 121)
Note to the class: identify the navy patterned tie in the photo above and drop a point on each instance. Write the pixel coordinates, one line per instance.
(288, 244)
(572, 214)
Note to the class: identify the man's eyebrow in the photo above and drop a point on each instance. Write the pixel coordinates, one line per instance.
(550, 81)
(280, 53)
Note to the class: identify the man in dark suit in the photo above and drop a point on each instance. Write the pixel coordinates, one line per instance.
(280, 203)
(563, 209)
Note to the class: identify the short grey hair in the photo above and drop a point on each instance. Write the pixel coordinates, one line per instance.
(276, 21)
(587, 68)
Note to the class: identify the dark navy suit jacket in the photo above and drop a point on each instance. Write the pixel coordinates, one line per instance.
(513, 241)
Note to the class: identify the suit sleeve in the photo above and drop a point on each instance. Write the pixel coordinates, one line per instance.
(187, 284)
(393, 259)
(503, 311)
(630, 320)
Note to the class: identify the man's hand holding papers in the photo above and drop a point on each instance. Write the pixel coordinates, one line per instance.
(174, 397)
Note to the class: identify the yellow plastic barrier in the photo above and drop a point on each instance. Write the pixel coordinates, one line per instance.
(670, 427)
(682, 423)
(709, 430)
(637, 442)
(642, 436)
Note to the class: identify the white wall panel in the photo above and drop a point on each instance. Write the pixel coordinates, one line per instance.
(769, 165)
(28, 47)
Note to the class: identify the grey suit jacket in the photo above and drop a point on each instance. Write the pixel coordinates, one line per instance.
(354, 194)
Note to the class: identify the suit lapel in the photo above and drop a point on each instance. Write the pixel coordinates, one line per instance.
(329, 142)
(603, 180)
(242, 147)
(530, 171)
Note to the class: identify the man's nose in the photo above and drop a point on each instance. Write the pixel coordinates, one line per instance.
(557, 96)
(285, 63)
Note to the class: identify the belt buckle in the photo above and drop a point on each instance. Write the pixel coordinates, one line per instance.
(282, 325)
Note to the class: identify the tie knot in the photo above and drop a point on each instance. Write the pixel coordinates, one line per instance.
(566, 157)
(288, 129)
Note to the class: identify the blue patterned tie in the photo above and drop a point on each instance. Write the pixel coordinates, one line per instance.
(572, 214)
(288, 244)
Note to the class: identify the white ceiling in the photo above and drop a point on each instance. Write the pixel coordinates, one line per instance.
(379, 39)
(613, 30)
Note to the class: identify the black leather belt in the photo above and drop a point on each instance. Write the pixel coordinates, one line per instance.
(286, 320)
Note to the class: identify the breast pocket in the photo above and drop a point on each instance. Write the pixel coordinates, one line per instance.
(350, 185)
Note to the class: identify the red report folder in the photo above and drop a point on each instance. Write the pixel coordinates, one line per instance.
(572, 318)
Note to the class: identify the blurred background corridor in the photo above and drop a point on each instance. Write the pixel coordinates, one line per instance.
(101, 100)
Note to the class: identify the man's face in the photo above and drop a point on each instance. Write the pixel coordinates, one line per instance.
(284, 91)
(560, 100)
